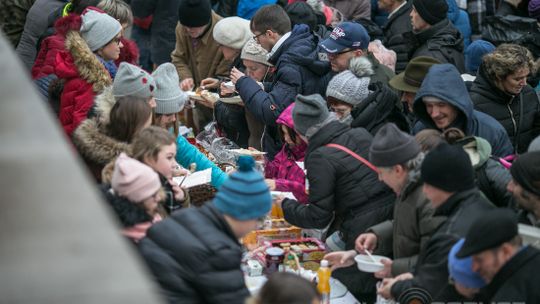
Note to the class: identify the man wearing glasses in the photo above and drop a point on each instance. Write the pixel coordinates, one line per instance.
(349, 40)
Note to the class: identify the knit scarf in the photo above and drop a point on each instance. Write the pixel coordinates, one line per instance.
(109, 65)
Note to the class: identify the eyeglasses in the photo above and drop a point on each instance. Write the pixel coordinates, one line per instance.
(256, 37)
(116, 40)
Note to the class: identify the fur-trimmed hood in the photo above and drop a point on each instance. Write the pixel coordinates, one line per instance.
(95, 146)
(103, 104)
(78, 61)
(127, 212)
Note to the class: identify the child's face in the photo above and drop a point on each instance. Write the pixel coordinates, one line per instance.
(165, 162)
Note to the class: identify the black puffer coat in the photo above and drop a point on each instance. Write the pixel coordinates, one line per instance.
(442, 41)
(378, 108)
(431, 273)
(195, 257)
(396, 25)
(519, 115)
(344, 192)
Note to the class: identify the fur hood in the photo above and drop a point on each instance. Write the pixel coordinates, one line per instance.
(103, 104)
(95, 146)
(82, 63)
(127, 212)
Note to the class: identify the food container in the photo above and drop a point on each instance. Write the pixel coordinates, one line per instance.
(310, 251)
(279, 230)
(254, 268)
(274, 257)
(366, 264)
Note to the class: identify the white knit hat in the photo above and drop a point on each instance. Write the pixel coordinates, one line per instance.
(169, 98)
(232, 32)
(133, 179)
(255, 52)
(131, 80)
(98, 29)
(351, 86)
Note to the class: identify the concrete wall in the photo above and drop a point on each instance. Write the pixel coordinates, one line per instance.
(59, 243)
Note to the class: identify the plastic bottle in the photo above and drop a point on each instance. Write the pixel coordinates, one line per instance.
(323, 285)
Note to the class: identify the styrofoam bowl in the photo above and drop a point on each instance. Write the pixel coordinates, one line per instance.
(366, 264)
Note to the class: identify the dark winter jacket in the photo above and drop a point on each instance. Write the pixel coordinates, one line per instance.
(163, 26)
(352, 9)
(298, 71)
(411, 228)
(380, 107)
(225, 8)
(444, 82)
(460, 20)
(519, 114)
(381, 73)
(398, 24)
(37, 21)
(441, 41)
(13, 17)
(195, 257)
(343, 192)
(517, 281)
(431, 273)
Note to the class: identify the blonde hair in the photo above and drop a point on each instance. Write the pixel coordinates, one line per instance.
(149, 141)
(118, 9)
(507, 59)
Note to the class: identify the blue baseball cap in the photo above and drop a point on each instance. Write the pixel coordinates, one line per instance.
(346, 35)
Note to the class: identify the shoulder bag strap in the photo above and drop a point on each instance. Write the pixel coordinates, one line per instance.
(360, 158)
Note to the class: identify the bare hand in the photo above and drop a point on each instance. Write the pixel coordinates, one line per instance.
(235, 75)
(404, 276)
(271, 184)
(340, 259)
(224, 90)
(209, 83)
(387, 271)
(187, 84)
(366, 241)
(386, 288)
(177, 191)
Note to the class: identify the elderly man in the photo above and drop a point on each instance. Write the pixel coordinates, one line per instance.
(525, 187)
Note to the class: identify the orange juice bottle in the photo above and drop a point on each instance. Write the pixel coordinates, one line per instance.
(323, 285)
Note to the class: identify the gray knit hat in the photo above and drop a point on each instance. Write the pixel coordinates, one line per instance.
(98, 29)
(255, 52)
(309, 111)
(351, 86)
(391, 146)
(232, 32)
(169, 98)
(131, 80)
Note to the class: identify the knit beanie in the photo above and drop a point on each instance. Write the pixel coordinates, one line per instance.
(254, 52)
(244, 195)
(391, 146)
(301, 13)
(169, 97)
(131, 80)
(534, 9)
(525, 171)
(449, 168)
(351, 86)
(133, 179)
(460, 270)
(309, 111)
(432, 11)
(232, 32)
(194, 13)
(474, 53)
(98, 29)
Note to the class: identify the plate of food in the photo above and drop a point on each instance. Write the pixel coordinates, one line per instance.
(248, 152)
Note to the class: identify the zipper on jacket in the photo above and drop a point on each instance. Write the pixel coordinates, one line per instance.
(514, 124)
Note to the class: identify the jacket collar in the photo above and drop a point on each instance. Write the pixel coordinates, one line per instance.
(326, 135)
(425, 35)
(217, 218)
(402, 9)
(454, 202)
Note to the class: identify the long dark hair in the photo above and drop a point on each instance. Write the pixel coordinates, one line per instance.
(128, 116)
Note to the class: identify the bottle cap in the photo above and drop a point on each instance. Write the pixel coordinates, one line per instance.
(324, 263)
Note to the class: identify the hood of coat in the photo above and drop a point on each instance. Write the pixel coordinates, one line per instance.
(285, 118)
(443, 81)
(78, 61)
(94, 145)
(103, 104)
(301, 48)
(453, 11)
(442, 34)
(71, 22)
(129, 213)
(478, 149)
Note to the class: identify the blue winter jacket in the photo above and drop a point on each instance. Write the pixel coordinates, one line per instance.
(443, 81)
(187, 154)
(460, 20)
(298, 71)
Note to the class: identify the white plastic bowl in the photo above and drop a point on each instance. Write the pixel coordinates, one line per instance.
(366, 264)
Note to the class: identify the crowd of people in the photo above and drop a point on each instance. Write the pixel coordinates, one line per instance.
(405, 128)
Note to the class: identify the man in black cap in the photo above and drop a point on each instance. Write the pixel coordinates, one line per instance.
(525, 187)
(511, 271)
(449, 184)
(434, 35)
(197, 55)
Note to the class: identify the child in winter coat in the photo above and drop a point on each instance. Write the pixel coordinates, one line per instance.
(170, 101)
(134, 194)
(86, 65)
(156, 148)
(283, 173)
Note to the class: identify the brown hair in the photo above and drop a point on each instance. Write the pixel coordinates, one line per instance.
(428, 139)
(175, 125)
(271, 17)
(507, 59)
(284, 287)
(149, 142)
(117, 9)
(127, 117)
(453, 135)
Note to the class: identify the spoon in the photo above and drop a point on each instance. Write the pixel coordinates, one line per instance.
(371, 257)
